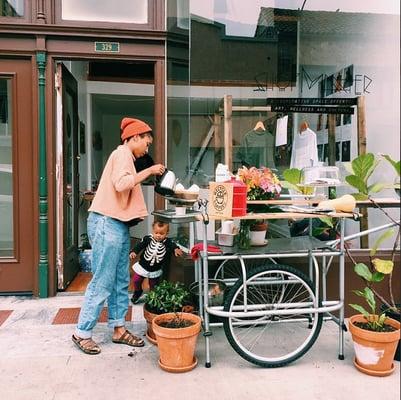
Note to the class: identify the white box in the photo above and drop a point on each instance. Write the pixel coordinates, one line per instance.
(225, 239)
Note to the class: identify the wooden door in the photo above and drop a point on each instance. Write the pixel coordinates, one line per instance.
(18, 240)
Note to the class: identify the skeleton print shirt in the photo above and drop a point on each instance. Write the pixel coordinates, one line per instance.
(156, 255)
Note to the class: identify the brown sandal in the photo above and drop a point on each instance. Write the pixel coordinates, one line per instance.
(131, 340)
(88, 346)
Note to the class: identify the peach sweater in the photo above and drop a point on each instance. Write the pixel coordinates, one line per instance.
(119, 195)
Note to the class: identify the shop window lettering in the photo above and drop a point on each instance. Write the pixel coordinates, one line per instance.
(360, 84)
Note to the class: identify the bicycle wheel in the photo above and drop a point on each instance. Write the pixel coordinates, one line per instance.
(230, 270)
(272, 340)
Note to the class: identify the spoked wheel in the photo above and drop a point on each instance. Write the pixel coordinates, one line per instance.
(230, 270)
(272, 340)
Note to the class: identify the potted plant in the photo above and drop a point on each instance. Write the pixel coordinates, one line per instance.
(175, 331)
(262, 184)
(375, 335)
(258, 229)
(166, 297)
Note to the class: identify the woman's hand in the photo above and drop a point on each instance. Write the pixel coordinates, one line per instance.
(157, 169)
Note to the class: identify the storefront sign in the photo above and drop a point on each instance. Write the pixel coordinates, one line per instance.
(311, 101)
(311, 109)
(107, 47)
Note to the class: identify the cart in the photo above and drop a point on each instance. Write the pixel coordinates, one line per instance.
(273, 313)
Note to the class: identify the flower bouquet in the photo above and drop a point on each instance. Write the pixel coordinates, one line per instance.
(262, 184)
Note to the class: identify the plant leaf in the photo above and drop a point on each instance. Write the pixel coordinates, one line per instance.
(357, 183)
(360, 196)
(292, 175)
(377, 187)
(383, 266)
(363, 164)
(370, 298)
(360, 309)
(363, 271)
(328, 221)
(385, 235)
(395, 164)
(377, 276)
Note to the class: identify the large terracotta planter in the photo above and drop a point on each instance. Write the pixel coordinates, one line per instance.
(150, 335)
(177, 345)
(374, 351)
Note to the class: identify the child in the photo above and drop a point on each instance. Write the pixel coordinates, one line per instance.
(157, 249)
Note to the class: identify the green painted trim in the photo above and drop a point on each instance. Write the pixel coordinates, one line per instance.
(43, 268)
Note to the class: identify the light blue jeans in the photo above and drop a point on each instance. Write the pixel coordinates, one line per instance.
(110, 243)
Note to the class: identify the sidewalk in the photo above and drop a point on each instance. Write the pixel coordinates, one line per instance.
(38, 361)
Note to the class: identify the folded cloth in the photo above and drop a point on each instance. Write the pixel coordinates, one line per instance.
(198, 247)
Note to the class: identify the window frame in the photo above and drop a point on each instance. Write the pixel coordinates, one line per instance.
(29, 11)
(155, 11)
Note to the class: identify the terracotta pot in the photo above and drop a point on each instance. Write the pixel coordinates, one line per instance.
(394, 315)
(177, 345)
(150, 335)
(374, 351)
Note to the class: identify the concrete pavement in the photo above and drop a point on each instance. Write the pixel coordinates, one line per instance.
(38, 361)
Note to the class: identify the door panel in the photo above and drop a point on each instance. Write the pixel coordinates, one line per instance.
(17, 218)
(70, 196)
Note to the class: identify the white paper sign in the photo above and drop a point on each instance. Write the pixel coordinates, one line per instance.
(281, 131)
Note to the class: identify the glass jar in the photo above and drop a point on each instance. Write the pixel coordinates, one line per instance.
(244, 236)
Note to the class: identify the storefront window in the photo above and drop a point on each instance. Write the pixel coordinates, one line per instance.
(6, 171)
(127, 11)
(246, 55)
(12, 8)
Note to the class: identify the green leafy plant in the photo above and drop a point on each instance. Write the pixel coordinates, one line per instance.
(361, 169)
(378, 270)
(293, 181)
(167, 297)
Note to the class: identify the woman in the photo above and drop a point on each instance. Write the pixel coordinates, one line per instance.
(118, 204)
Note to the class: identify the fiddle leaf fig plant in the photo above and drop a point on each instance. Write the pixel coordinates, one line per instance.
(361, 169)
(376, 272)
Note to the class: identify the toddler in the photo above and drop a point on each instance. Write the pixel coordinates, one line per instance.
(157, 249)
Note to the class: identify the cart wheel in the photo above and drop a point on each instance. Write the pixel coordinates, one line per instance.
(272, 340)
(230, 270)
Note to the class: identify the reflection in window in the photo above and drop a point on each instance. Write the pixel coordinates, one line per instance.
(12, 8)
(127, 11)
(6, 172)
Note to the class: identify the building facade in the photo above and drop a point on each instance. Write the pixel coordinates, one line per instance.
(200, 73)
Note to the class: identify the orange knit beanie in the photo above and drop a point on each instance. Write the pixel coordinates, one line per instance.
(131, 127)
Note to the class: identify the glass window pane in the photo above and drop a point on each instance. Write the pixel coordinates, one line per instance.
(128, 11)
(12, 8)
(6, 171)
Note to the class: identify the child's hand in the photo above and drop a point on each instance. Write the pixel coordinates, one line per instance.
(178, 252)
(132, 255)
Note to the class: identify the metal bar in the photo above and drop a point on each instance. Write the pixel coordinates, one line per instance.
(248, 314)
(274, 255)
(341, 291)
(205, 297)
